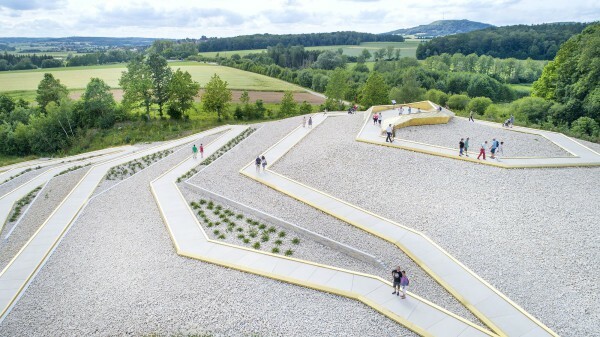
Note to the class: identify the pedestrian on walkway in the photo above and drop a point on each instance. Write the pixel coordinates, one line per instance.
(467, 147)
(482, 150)
(389, 134)
(493, 148)
(201, 151)
(194, 151)
(380, 119)
(409, 109)
(264, 163)
(471, 116)
(461, 147)
(400, 111)
(500, 149)
(310, 122)
(257, 161)
(304, 121)
(403, 284)
(397, 277)
(512, 120)
(375, 118)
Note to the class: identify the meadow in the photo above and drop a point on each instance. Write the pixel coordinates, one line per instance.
(21, 84)
(407, 48)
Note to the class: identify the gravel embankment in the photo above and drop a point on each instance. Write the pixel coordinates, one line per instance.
(49, 198)
(116, 273)
(307, 249)
(249, 192)
(532, 233)
(516, 144)
(18, 181)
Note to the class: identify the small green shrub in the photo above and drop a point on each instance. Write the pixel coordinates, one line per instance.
(239, 216)
(282, 234)
(295, 241)
(262, 226)
(222, 236)
(275, 250)
(264, 238)
(272, 229)
(256, 245)
(202, 202)
(278, 242)
(216, 232)
(289, 252)
(246, 240)
(241, 236)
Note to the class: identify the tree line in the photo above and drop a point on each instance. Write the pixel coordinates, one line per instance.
(262, 41)
(538, 42)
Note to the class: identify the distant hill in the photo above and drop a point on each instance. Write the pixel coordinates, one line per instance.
(442, 28)
(539, 42)
(95, 41)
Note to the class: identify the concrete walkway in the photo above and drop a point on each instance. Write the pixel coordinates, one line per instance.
(582, 155)
(190, 240)
(14, 169)
(21, 269)
(492, 307)
(8, 200)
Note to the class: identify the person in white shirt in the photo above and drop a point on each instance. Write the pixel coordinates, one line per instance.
(389, 134)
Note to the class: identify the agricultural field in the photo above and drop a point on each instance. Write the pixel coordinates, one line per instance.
(407, 49)
(21, 84)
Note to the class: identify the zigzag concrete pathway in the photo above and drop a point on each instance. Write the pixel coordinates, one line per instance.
(11, 170)
(582, 155)
(190, 240)
(488, 304)
(8, 200)
(17, 274)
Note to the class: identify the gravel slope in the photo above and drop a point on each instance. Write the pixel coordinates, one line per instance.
(116, 273)
(49, 198)
(516, 144)
(16, 182)
(531, 233)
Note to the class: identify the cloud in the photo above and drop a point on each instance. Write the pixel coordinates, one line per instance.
(153, 17)
(31, 4)
(288, 16)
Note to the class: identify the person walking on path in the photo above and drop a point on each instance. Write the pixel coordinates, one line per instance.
(389, 134)
(467, 147)
(304, 121)
(264, 163)
(403, 284)
(201, 151)
(461, 147)
(194, 151)
(471, 116)
(512, 120)
(380, 119)
(375, 118)
(500, 149)
(397, 277)
(493, 148)
(310, 122)
(482, 150)
(257, 161)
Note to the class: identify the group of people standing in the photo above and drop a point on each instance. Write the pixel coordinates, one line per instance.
(260, 161)
(309, 122)
(195, 151)
(496, 148)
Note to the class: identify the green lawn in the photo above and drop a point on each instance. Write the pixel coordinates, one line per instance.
(19, 82)
(407, 49)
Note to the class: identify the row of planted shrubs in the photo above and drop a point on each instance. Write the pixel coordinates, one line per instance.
(131, 167)
(247, 231)
(26, 200)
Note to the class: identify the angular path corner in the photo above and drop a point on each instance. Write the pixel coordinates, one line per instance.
(417, 314)
(581, 154)
(502, 315)
(15, 277)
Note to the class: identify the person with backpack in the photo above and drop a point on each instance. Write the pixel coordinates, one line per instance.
(194, 151)
(404, 282)
(257, 161)
(397, 277)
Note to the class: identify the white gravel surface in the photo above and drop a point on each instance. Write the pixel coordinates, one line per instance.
(48, 199)
(223, 177)
(516, 144)
(532, 233)
(116, 273)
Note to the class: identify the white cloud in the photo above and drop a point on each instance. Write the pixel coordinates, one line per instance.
(181, 18)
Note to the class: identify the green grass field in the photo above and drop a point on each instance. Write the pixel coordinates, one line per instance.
(20, 83)
(407, 49)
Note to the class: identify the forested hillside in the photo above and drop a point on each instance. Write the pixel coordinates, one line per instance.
(539, 42)
(262, 41)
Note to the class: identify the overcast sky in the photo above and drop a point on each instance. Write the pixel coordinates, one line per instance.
(194, 18)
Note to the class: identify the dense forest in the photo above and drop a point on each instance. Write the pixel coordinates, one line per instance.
(262, 41)
(538, 42)
(22, 62)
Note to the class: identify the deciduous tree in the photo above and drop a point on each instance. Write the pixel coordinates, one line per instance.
(50, 90)
(216, 96)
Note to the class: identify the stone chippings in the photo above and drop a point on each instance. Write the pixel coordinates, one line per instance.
(516, 144)
(116, 273)
(20, 180)
(48, 199)
(531, 233)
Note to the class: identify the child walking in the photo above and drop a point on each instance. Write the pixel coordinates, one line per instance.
(403, 284)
